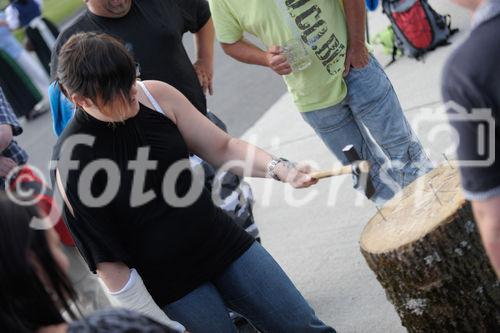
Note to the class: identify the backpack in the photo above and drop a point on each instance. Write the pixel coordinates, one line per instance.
(418, 28)
(387, 41)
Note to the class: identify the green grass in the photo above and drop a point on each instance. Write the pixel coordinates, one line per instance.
(58, 11)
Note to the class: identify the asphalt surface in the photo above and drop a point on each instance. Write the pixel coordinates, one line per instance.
(242, 93)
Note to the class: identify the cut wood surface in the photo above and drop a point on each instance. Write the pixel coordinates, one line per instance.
(426, 252)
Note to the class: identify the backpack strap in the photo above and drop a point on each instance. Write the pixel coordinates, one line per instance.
(394, 54)
(454, 30)
(150, 97)
(394, 48)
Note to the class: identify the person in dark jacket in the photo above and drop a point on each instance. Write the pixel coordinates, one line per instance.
(471, 84)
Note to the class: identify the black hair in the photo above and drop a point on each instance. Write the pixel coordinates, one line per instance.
(25, 303)
(96, 66)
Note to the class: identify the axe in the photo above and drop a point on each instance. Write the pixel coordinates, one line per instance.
(359, 169)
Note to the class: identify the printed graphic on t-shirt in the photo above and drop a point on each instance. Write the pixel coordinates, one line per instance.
(315, 32)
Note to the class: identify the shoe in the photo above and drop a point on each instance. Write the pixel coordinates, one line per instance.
(39, 109)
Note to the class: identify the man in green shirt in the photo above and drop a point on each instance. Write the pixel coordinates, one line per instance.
(343, 94)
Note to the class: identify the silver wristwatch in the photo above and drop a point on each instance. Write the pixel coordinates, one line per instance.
(271, 167)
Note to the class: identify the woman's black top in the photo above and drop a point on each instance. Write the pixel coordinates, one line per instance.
(174, 249)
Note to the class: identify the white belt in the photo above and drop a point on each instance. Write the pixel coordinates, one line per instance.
(47, 36)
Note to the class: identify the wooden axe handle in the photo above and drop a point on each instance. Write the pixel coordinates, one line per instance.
(345, 170)
(361, 166)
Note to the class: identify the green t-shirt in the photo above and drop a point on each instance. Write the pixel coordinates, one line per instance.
(321, 84)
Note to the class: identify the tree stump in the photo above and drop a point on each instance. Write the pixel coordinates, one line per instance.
(426, 252)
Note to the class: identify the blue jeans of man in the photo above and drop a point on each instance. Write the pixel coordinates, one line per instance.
(256, 287)
(372, 120)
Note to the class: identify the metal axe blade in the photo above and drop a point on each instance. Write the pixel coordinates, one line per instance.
(362, 179)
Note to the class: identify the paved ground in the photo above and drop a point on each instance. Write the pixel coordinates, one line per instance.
(315, 241)
(243, 93)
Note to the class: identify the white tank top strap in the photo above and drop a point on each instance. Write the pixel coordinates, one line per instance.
(150, 97)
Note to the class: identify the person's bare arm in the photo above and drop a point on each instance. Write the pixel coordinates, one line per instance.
(114, 275)
(220, 148)
(487, 215)
(249, 53)
(357, 53)
(6, 164)
(204, 65)
(5, 136)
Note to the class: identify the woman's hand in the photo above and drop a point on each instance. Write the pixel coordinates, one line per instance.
(296, 175)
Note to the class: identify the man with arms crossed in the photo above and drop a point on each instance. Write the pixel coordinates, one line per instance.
(344, 94)
(472, 80)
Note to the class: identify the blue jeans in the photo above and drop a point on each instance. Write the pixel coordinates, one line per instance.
(371, 119)
(256, 287)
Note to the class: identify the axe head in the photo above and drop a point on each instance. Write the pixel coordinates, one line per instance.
(360, 172)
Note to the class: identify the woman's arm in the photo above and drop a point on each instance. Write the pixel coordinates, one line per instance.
(114, 275)
(217, 147)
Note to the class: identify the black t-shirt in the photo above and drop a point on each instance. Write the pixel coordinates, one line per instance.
(174, 249)
(117, 321)
(472, 80)
(152, 31)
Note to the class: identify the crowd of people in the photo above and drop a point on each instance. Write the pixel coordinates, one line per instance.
(25, 79)
(129, 106)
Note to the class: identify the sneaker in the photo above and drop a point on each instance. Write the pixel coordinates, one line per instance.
(39, 109)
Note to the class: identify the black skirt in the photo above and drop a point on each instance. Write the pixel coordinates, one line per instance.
(17, 86)
(43, 52)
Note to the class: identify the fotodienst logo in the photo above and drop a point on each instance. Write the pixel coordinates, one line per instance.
(448, 127)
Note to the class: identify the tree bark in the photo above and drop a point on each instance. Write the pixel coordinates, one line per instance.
(425, 250)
